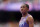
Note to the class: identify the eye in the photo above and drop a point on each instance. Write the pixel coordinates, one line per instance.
(23, 7)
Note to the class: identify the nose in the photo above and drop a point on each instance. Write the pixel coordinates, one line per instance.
(21, 9)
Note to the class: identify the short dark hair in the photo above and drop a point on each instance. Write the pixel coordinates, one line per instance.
(27, 6)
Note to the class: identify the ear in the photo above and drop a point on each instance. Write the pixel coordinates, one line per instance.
(27, 9)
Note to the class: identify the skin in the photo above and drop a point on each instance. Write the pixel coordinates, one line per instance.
(30, 21)
(24, 11)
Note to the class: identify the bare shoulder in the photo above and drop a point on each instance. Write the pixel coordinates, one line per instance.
(30, 18)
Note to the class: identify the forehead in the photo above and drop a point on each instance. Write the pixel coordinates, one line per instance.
(23, 5)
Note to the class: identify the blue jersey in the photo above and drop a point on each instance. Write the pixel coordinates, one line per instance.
(23, 22)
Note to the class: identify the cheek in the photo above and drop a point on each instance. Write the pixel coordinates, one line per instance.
(25, 10)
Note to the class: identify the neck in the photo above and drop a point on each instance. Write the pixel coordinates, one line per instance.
(25, 14)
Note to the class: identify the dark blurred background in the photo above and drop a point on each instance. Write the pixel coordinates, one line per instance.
(10, 12)
(6, 16)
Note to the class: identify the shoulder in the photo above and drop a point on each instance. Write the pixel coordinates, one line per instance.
(30, 18)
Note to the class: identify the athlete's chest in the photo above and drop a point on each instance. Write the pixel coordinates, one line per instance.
(22, 21)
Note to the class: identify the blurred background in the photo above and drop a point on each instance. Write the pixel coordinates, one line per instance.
(10, 12)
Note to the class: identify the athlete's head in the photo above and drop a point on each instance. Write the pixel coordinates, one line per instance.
(24, 8)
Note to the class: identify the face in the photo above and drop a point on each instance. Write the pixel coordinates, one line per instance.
(24, 9)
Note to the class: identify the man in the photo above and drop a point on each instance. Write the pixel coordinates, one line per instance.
(26, 19)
